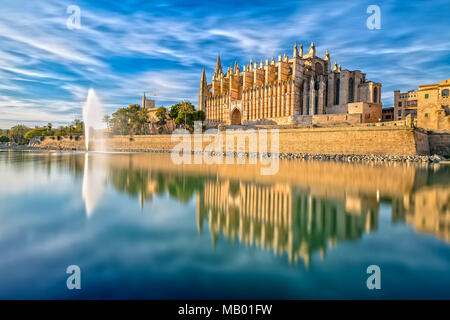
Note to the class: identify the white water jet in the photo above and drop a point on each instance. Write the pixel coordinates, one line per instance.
(93, 119)
(94, 177)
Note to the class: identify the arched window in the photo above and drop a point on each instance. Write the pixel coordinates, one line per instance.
(375, 94)
(316, 104)
(301, 106)
(307, 106)
(445, 93)
(337, 89)
(319, 69)
(316, 84)
(351, 93)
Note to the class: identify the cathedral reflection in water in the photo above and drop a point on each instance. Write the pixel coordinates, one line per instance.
(283, 218)
(294, 221)
(307, 207)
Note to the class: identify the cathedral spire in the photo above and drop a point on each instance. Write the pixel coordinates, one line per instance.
(327, 56)
(218, 69)
(203, 81)
(301, 50)
(236, 67)
(295, 50)
(312, 50)
(335, 66)
(202, 92)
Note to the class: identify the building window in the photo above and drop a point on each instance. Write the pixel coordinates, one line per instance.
(307, 106)
(350, 90)
(336, 96)
(399, 112)
(426, 96)
(316, 104)
(316, 84)
(375, 94)
(445, 93)
(400, 104)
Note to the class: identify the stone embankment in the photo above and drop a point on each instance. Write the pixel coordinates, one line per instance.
(288, 156)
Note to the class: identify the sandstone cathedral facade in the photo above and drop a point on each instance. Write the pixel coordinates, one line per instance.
(303, 89)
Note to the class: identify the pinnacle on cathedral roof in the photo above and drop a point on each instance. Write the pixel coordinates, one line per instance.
(312, 50)
(327, 56)
(295, 49)
(202, 81)
(218, 69)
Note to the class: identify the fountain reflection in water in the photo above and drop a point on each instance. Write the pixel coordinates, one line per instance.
(94, 178)
(93, 119)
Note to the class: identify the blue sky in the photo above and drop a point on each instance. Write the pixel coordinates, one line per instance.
(126, 47)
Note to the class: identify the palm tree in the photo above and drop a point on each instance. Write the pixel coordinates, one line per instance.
(106, 119)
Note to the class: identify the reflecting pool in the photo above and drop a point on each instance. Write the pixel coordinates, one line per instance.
(141, 227)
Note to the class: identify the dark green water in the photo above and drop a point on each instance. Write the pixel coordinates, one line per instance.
(140, 227)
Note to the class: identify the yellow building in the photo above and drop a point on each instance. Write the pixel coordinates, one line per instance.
(405, 104)
(433, 105)
(429, 104)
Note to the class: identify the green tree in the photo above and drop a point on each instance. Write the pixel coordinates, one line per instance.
(107, 119)
(36, 132)
(78, 127)
(130, 120)
(179, 107)
(161, 114)
(49, 128)
(120, 122)
(17, 134)
(187, 117)
(142, 120)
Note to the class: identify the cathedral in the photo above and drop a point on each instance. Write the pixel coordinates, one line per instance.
(303, 89)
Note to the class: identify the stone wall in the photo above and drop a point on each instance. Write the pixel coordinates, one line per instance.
(335, 118)
(350, 140)
(439, 141)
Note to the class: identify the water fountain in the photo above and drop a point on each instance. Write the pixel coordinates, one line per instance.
(93, 119)
(94, 173)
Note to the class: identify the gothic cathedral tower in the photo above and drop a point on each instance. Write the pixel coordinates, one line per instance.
(202, 92)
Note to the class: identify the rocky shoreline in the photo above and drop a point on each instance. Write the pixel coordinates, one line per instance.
(288, 156)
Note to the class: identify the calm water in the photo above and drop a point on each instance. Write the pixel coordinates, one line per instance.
(140, 227)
